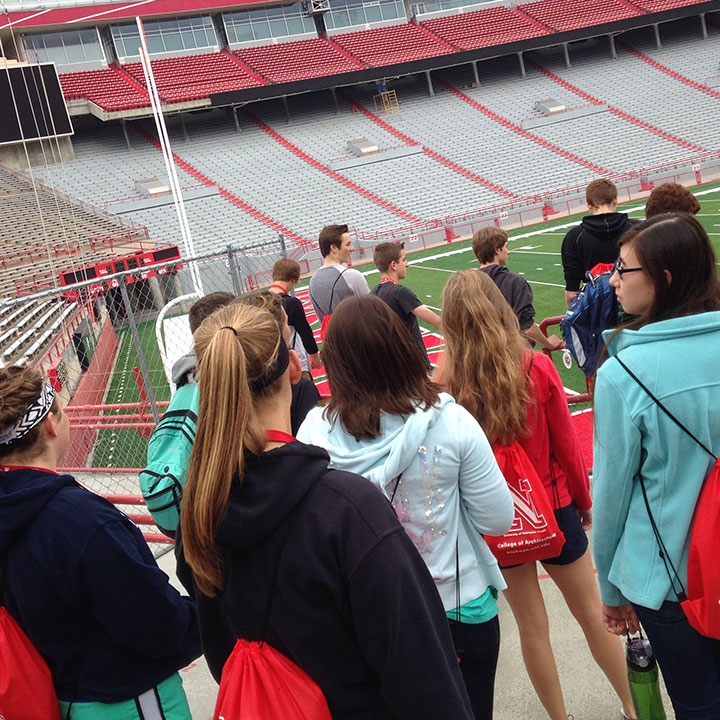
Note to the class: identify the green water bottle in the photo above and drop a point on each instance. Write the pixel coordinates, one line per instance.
(644, 679)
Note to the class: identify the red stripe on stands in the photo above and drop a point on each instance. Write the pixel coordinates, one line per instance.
(436, 38)
(225, 194)
(625, 116)
(531, 20)
(245, 68)
(343, 52)
(430, 153)
(128, 78)
(672, 73)
(327, 171)
(468, 173)
(524, 133)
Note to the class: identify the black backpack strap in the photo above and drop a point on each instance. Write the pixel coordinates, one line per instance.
(663, 408)
(667, 562)
(332, 293)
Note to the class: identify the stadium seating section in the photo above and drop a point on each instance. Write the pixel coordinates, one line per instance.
(660, 5)
(394, 44)
(299, 60)
(195, 77)
(571, 14)
(110, 89)
(483, 28)
(181, 79)
(77, 235)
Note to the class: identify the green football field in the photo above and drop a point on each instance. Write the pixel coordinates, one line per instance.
(534, 253)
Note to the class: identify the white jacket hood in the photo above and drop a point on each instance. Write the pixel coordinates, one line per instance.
(380, 459)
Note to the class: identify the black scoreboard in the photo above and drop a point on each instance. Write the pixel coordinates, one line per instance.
(32, 105)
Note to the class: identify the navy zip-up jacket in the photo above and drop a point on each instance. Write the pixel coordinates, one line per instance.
(82, 583)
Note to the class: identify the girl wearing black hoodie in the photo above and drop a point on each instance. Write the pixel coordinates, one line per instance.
(78, 576)
(353, 603)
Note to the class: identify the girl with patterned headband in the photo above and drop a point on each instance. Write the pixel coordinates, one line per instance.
(387, 421)
(79, 578)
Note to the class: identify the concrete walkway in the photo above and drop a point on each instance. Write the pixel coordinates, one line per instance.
(588, 695)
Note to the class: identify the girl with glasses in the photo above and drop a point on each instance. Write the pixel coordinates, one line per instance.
(666, 276)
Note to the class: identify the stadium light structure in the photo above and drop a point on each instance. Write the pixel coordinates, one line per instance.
(168, 157)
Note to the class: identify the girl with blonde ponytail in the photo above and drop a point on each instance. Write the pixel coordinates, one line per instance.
(516, 394)
(78, 576)
(264, 517)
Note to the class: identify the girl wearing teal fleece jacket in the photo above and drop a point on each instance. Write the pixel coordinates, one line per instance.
(666, 274)
(387, 421)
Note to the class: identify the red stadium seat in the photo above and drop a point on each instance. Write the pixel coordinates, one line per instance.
(483, 28)
(572, 14)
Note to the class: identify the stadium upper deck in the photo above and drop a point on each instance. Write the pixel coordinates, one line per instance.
(213, 54)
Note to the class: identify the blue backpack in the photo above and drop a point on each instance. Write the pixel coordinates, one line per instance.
(592, 310)
(168, 457)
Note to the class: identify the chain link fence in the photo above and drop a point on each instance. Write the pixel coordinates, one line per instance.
(108, 347)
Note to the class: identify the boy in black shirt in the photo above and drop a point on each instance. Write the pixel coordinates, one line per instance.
(490, 245)
(390, 260)
(285, 275)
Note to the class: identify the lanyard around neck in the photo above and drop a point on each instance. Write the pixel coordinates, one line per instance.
(278, 436)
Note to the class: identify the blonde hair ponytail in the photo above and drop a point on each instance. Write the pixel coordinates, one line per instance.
(235, 346)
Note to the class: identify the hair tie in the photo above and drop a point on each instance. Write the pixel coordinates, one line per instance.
(232, 329)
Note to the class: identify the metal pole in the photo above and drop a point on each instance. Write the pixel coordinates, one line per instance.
(567, 54)
(283, 246)
(656, 28)
(613, 52)
(703, 25)
(475, 72)
(523, 72)
(431, 90)
(138, 347)
(287, 109)
(186, 137)
(232, 264)
(235, 118)
(125, 133)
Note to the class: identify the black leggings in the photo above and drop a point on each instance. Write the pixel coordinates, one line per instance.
(477, 647)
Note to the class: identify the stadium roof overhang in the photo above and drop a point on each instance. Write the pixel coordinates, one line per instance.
(124, 11)
(440, 62)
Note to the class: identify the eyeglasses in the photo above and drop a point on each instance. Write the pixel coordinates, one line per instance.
(621, 270)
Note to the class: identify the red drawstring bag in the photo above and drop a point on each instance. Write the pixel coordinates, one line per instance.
(702, 606)
(26, 686)
(324, 327)
(701, 601)
(259, 683)
(534, 534)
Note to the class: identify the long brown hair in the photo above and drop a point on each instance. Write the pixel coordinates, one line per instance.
(19, 388)
(483, 364)
(373, 366)
(235, 346)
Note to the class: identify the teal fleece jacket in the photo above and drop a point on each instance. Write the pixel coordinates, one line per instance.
(451, 487)
(678, 361)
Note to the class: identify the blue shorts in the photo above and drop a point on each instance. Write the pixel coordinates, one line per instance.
(576, 542)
